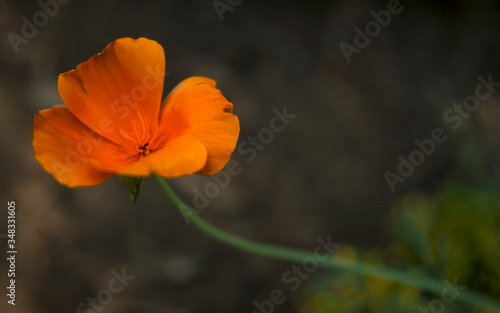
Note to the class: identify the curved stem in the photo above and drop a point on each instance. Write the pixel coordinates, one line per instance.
(295, 255)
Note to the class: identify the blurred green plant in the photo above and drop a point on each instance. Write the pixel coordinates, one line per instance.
(453, 236)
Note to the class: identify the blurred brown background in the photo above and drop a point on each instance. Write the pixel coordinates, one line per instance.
(323, 174)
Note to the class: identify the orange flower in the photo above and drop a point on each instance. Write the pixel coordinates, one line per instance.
(113, 123)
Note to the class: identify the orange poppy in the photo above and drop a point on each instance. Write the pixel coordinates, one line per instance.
(113, 121)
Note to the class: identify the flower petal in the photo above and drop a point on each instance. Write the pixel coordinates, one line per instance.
(66, 147)
(180, 156)
(117, 89)
(197, 109)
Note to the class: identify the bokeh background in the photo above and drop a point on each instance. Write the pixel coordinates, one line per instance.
(322, 175)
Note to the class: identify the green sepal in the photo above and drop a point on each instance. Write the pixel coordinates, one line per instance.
(133, 185)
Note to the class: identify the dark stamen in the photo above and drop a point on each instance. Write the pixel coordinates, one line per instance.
(144, 150)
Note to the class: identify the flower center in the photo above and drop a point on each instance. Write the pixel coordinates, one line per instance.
(144, 149)
(141, 137)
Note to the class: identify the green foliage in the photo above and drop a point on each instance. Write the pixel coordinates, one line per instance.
(133, 185)
(453, 235)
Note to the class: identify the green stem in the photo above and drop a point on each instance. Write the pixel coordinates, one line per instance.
(295, 255)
